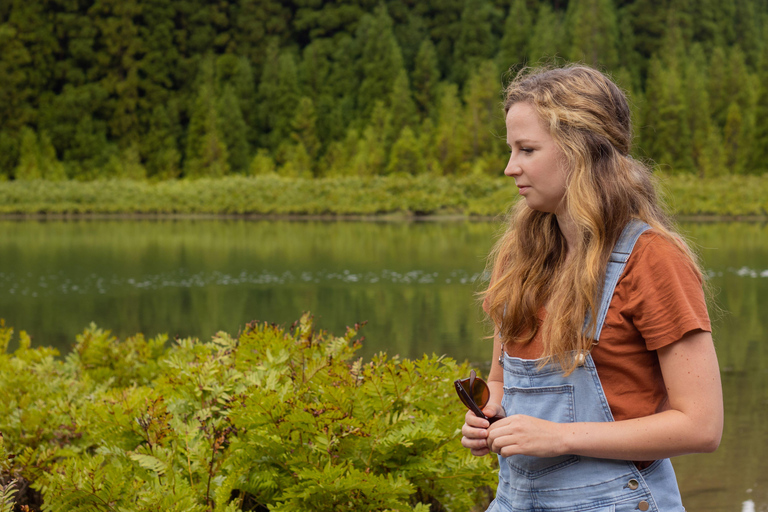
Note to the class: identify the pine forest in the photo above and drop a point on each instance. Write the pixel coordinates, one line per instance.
(164, 89)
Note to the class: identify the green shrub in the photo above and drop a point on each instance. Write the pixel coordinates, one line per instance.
(273, 419)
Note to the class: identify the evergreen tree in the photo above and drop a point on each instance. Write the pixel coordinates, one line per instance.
(483, 116)
(89, 150)
(426, 76)
(126, 164)
(428, 147)
(29, 165)
(451, 138)
(337, 109)
(680, 16)
(718, 86)
(747, 30)
(546, 39)
(443, 26)
(304, 130)
(262, 163)
(52, 168)
(673, 52)
(381, 61)
(594, 32)
(631, 60)
(233, 130)
(739, 84)
(374, 146)
(704, 158)
(514, 45)
(236, 72)
(206, 154)
(713, 23)
(410, 30)
(161, 144)
(401, 104)
(293, 160)
(648, 19)
(665, 136)
(475, 42)
(166, 68)
(37, 158)
(733, 137)
(256, 23)
(315, 77)
(758, 157)
(15, 91)
(315, 68)
(117, 49)
(277, 96)
(340, 158)
(743, 88)
(406, 156)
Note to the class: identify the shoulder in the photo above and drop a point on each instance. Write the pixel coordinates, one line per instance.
(655, 256)
(661, 291)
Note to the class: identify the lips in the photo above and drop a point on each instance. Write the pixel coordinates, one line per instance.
(523, 188)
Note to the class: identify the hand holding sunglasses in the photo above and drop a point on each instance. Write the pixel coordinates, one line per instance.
(474, 393)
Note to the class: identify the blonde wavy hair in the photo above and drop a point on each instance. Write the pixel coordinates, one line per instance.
(588, 117)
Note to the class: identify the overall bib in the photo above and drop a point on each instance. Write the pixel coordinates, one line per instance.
(569, 482)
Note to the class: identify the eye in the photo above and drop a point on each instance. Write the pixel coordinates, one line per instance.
(527, 150)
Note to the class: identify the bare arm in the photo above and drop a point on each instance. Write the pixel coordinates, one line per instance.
(692, 423)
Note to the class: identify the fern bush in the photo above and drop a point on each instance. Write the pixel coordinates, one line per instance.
(272, 419)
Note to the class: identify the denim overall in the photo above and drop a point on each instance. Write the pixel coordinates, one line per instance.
(569, 482)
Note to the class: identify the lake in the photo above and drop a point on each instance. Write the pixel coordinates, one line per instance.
(414, 283)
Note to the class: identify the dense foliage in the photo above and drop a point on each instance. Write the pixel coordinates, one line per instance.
(270, 419)
(472, 195)
(168, 88)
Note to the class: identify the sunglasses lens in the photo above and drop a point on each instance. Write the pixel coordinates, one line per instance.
(479, 392)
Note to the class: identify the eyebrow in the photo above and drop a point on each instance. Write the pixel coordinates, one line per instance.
(523, 141)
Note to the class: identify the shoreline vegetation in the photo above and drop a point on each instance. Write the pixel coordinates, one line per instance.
(270, 419)
(396, 197)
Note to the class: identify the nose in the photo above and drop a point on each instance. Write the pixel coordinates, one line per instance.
(512, 169)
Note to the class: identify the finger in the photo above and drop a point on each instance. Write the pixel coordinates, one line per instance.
(474, 433)
(475, 421)
(492, 410)
(503, 445)
(474, 444)
(480, 453)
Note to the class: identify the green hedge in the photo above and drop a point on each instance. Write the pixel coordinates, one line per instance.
(274, 195)
(273, 419)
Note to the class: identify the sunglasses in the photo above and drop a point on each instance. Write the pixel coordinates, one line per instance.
(474, 393)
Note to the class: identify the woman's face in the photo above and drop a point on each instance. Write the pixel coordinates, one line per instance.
(535, 162)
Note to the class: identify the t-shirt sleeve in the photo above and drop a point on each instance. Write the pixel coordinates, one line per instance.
(666, 299)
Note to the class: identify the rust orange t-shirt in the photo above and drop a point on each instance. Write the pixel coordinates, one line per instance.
(658, 300)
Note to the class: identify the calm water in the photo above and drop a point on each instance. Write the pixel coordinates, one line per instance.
(413, 282)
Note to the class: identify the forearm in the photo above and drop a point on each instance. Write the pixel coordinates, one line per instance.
(666, 434)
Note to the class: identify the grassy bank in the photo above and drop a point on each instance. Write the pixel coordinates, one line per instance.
(273, 195)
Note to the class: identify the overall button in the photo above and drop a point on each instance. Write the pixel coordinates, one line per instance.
(632, 484)
(643, 505)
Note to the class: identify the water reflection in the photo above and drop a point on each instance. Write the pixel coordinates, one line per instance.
(414, 283)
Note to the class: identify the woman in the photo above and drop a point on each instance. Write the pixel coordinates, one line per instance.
(603, 362)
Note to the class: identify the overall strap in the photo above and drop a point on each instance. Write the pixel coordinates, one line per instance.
(616, 263)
